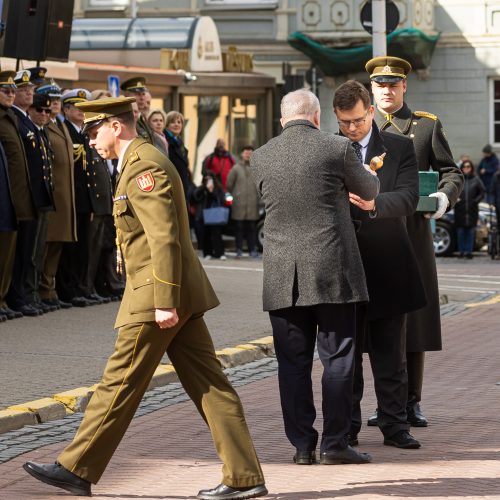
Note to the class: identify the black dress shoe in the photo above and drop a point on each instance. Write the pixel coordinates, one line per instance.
(57, 475)
(353, 440)
(304, 457)
(402, 439)
(100, 298)
(7, 311)
(52, 303)
(64, 305)
(3, 318)
(415, 416)
(28, 310)
(373, 420)
(346, 456)
(223, 492)
(45, 308)
(80, 302)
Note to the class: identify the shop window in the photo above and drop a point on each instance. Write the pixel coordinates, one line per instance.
(495, 112)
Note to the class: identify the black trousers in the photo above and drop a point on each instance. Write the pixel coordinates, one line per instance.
(212, 241)
(295, 331)
(245, 229)
(386, 339)
(23, 264)
(415, 362)
(95, 242)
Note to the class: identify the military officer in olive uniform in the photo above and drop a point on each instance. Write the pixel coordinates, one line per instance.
(167, 292)
(16, 189)
(423, 331)
(136, 87)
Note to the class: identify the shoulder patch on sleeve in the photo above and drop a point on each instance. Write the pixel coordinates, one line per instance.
(425, 114)
(145, 181)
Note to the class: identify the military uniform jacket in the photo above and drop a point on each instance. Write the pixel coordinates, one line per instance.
(62, 222)
(144, 131)
(163, 270)
(20, 184)
(7, 212)
(432, 150)
(392, 274)
(101, 196)
(38, 161)
(310, 254)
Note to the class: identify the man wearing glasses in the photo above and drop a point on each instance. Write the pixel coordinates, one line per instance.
(392, 275)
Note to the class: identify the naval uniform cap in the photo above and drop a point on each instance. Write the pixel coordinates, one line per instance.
(135, 84)
(7, 79)
(387, 69)
(100, 110)
(75, 96)
(23, 78)
(37, 74)
(49, 88)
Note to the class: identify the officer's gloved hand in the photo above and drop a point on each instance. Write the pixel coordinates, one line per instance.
(443, 203)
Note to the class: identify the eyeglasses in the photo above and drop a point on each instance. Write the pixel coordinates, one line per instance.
(357, 122)
(43, 110)
(8, 91)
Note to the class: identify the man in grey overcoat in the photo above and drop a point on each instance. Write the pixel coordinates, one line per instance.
(313, 274)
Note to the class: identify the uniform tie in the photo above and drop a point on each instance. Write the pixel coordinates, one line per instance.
(357, 149)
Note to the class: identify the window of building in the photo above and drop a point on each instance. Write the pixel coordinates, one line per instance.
(495, 111)
(255, 4)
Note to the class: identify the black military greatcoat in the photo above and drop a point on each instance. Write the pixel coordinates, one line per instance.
(433, 153)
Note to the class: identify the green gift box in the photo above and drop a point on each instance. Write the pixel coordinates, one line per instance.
(427, 184)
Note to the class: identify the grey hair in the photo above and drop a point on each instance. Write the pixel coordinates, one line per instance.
(300, 102)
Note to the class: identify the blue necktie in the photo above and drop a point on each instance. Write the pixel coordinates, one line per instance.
(357, 149)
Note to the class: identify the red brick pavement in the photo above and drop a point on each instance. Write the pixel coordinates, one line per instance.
(168, 454)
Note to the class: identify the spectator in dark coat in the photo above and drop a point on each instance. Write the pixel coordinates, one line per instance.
(467, 210)
(177, 152)
(209, 195)
(495, 195)
(488, 166)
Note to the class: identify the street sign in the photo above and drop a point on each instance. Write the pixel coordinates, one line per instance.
(114, 85)
(391, 16)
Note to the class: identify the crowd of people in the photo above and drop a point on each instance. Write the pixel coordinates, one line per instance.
(56, 194)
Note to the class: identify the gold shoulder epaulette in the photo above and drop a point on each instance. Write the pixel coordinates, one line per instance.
(133, 157)
(425, 114)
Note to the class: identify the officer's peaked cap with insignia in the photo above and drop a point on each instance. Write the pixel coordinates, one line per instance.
(136, 84)
(7, 79)
(41, 101)
(387, 69)
(23, 78)
(75, 96)
(37, 74)
(49, 88)
(101, 109)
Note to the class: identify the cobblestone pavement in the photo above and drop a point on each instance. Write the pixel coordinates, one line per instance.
(167, 452)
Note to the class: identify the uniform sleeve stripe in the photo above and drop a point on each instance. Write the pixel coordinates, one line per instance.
(162, 281)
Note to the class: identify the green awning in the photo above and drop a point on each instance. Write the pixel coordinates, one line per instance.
(410, 44)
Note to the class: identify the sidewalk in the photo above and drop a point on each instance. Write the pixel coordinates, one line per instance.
(167, 452)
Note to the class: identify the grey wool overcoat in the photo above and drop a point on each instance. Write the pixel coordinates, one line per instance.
(310, 252)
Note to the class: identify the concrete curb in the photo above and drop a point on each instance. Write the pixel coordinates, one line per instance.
(76, 400)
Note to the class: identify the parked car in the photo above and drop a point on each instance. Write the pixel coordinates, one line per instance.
(445, 240)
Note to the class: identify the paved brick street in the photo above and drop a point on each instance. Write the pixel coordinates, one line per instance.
(167, 452)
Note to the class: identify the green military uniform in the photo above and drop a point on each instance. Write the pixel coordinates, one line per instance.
(163, 271)
(423, 331)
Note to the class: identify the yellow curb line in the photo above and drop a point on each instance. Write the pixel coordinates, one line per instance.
(76, 400)
(494, 300)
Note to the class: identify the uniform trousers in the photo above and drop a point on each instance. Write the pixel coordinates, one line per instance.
(23, 264)
(7, 257)
(415, 362)
(386, 341)
(138, 351)
(94, 241)
(296, 331)
(47, 287)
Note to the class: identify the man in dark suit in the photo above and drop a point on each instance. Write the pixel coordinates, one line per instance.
(392, 274)
(423, 331)
(313, 274)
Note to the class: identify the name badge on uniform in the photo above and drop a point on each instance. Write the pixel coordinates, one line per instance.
(146, 182)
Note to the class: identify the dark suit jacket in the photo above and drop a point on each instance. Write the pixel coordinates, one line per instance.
(391, 269)
(310, 252)
(20, 184)
(38, 161)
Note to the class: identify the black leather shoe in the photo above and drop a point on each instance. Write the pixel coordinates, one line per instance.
(10, 314)
(45, 308)
(52, 303)
(57, 475)
(304, 457)
(98, 298)
(80, 302)
(27, 310)
(415, 416)
(353, 440)
(223, 492)
(346, 456)
(402, 439)
(373, 420)
(3, 318)
(64, 305)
